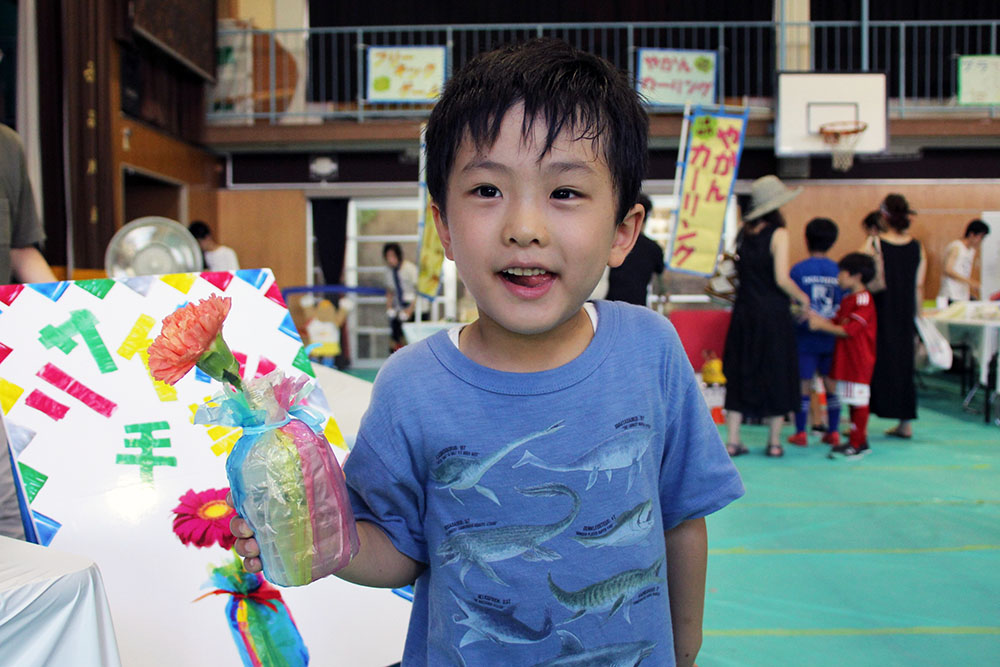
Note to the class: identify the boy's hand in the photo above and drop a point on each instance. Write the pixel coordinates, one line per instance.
(246, 545)
(816, 321)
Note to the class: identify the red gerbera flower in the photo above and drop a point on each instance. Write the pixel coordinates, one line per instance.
(193, 335)
(203, 519)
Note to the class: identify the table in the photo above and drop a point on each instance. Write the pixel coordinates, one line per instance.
(989, 344)
(53, 610)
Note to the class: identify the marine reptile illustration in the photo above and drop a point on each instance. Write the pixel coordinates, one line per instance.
(630, 528)
(483, 546)
(496, 625)
(621, 450)
(613, 593)
(464, 472)
(572, 653)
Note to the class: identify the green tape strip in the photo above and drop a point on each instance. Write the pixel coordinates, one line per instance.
(302, 362)
(86, 324)
(99, 287)
(60, 336)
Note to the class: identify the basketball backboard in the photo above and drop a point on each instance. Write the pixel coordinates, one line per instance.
(808, 100)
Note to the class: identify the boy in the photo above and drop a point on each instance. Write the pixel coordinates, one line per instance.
(817, 277)
(957, 283)
(510, 467)
(854, 354)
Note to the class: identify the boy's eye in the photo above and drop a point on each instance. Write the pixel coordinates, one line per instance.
(564, 193)
(487, 191)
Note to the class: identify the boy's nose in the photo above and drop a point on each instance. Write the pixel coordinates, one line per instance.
(526, 226)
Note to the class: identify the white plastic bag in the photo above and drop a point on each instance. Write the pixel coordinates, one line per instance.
(937, 346)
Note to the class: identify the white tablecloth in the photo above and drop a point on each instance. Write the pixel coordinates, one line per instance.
(53, 610)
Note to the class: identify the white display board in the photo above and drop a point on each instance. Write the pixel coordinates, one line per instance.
(74, 385)
(398, 74)
(807, 100)
(989, 256)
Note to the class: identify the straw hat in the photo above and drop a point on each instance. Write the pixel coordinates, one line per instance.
(767, 194)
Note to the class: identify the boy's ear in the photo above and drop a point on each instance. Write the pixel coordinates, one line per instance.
(442, 229)
(626, 233)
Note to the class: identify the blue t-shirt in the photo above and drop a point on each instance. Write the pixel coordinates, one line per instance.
(817, 276)
(539, 500)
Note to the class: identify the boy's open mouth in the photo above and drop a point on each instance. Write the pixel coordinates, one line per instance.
(524, 277)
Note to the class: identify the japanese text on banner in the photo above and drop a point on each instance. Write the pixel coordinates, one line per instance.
(713, 156)
(672, 77)
(405, 73)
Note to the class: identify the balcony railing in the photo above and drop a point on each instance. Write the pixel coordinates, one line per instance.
(319, 74)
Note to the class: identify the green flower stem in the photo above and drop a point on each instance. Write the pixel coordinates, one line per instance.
(219, 363)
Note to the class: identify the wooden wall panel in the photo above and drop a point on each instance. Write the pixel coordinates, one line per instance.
(943, 210)
(266, 228)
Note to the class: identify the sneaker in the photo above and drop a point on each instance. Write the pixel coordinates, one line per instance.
(847, 451)
(800, 439)
(832, 438)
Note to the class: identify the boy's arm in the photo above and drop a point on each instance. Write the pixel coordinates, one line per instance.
(820, 323)
(687, 557)
(378, 563)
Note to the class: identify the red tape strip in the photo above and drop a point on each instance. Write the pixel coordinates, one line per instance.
(61, 380)
(49, 406)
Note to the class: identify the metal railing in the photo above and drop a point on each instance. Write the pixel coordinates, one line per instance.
(313, 75)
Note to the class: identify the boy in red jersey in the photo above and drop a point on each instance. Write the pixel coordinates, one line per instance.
(854, 352)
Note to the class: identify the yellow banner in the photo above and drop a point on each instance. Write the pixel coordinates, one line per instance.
(713, 156)
(431, 253)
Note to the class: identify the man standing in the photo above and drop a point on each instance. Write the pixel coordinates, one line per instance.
(630, 281)
(957, 283)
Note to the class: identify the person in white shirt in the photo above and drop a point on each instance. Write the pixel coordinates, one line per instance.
(957, 283)
(401, 291)
(218, 257)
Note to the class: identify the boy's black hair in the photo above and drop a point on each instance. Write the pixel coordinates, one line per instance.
(976, 226)
(858, 264)
(567, 89)
(395, 247)
(821, 233)
(199, 230)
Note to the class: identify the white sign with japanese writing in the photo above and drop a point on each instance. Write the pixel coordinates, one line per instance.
(979, 80)
(672, 77)
(405, 73)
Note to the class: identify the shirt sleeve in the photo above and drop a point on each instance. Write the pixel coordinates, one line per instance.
(697, 476)
(26, 230)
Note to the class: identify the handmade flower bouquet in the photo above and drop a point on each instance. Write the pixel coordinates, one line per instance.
(284, 477)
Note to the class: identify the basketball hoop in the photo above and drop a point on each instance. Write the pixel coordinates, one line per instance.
(842, 136)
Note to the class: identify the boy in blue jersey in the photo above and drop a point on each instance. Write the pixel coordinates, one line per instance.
(542, 474)
(817, 277)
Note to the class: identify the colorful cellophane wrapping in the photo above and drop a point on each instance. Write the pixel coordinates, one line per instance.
(262, 626)
(285, 480)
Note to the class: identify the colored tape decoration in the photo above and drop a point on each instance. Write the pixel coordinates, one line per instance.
(256, 277)
(146, 443)
(287, 327)
(86, 324)
(61, 380)
(220, 279)
(32, 479)
(264, 366)
(8, 293)
(138, 337)
(302, 362)
(274, 294)
(181, 282)
(333, 434)
(43, 403)
(9, 393)
(4, 352)
(51, 290)
(99, 287)
(140, 284)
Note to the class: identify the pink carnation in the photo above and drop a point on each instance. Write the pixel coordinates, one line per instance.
(185, 336)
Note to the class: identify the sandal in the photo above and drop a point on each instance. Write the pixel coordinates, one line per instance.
(774, 451)
(737, 450)
(896, 433)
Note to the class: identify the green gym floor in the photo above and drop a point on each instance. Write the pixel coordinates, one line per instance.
(890, 560)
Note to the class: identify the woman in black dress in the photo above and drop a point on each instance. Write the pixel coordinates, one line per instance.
(760, 358)
(894, 393)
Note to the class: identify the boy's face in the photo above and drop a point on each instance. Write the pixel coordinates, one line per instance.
(531, 235)
(849, 281)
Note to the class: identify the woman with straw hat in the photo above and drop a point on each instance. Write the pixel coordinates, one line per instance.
(760, 359)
